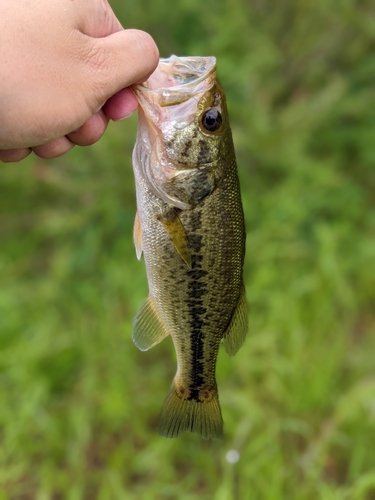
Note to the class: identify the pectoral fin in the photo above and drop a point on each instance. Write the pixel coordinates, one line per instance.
(235, 334)
(137, 236)
(176, 231)
(148, 328)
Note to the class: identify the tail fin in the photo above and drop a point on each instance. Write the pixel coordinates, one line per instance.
(179, 415)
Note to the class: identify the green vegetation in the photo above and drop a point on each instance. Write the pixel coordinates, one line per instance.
(78, 401)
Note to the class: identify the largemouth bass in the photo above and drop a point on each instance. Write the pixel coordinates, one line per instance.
(190, 228)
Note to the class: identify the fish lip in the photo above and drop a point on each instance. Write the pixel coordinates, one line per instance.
(177, 79)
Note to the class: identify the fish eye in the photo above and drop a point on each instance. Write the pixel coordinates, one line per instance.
(212, 120)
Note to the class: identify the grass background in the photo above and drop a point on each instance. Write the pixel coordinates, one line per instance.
(79, 403)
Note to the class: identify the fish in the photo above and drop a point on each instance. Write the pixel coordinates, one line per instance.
(190, 229)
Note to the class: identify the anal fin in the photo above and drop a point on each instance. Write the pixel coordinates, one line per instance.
(235, 334)
(148, 328)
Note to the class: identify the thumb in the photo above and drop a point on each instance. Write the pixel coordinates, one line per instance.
(118, 61)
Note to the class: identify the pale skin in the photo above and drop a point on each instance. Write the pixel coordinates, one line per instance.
(65, 71)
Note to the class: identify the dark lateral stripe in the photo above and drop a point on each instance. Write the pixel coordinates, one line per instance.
(197, 288)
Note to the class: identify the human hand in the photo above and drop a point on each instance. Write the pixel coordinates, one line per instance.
(65, 69)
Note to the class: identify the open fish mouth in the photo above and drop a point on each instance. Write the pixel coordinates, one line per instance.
(171, 94)
(177, 79)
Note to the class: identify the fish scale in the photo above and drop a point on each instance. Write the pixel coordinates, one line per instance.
(194, 255)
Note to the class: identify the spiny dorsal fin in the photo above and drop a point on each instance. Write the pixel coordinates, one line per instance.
(137, 236)
(148, 328)
(176, 231)
(235, 334)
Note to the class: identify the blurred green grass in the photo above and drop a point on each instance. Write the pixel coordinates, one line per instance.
(79, 403)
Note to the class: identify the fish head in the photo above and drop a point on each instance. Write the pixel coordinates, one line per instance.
(183, 131)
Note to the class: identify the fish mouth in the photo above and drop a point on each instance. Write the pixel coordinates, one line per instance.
(177, 79)
(168, 100)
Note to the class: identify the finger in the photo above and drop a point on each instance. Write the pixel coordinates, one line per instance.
(13, 155)
(117, 61)
(54, 148)
(121, 105)
(91, 131)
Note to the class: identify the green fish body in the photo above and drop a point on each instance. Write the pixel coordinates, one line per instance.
(190, 229)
